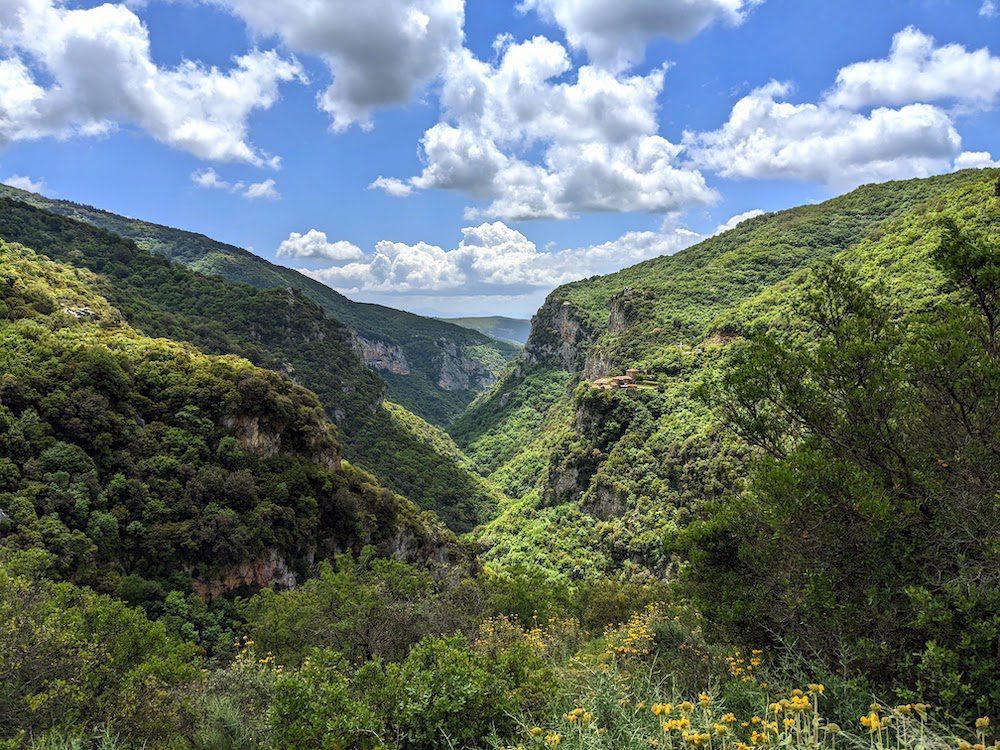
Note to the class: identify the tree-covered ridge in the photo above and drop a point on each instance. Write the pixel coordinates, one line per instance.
(426, 343)
(789, 515)
(631, 466)
(814, 461)
(141, 466)
(279, 329)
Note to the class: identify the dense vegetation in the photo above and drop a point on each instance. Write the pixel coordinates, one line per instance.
(425, 342)
(279, 329)
(785, 536)
(834, 487)
(146, 469)
(621, 472)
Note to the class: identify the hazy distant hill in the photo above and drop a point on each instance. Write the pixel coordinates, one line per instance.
(497, 326)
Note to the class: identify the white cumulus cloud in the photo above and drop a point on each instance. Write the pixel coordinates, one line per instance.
(614, 33)
(379, 52)
(768, 137)
(265, 189)
(989, 9)
(210, 179)
(95, 72)
(314, 245)
(392, 186)
(492, 259)
(917, 70)
(23, 182)
(735, 221)
(975, 160)
(533, 143)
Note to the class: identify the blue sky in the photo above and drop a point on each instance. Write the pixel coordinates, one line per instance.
(566, 137)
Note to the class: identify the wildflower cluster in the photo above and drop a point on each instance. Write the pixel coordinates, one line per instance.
(549, 638)
(634, 638)
(742, 668)
(982, 730)
(581, 715)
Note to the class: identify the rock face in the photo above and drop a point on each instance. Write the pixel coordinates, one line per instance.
(380, 355)
(264, 437)
(459, 372)
(269, 569)
(559, 337)
(627, 307)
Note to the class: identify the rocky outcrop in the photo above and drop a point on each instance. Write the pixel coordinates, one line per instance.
(603, 501)
(381, 355)
(459, 372)
(268, 570)
(252, 437)
(559, 338)
(628, 307)
(264, 437)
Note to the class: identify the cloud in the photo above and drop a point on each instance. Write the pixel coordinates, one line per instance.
(265, 189)
(314, 245)
(988, 9)
(492, 259)
(392, 186)
(918, 71)
(614, 33)
(208, 178)
(22, 182)
(520, 135)
(379, 52)
(767, 137)
(880, 120)
(95, 72)
(735, 221)
(975, 160)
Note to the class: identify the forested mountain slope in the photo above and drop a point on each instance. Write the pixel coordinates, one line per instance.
(799, 490)
(140, 466)
(806, 442)
(279, 329)
(432, 367)
(607, 477)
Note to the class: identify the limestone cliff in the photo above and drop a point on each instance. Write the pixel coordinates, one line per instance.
(559, 338)
(459, 372)
(381, 355)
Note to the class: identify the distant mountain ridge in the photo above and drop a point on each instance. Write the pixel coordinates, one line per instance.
(432, 367)
(497, 326)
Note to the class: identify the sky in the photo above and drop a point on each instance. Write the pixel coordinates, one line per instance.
(464, 158)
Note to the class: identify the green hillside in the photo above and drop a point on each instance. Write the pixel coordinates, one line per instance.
(142, 467)
(279, 329)
(814, 412)
(434, 368)
(607, 478)
(781, 532)
(497, 326)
